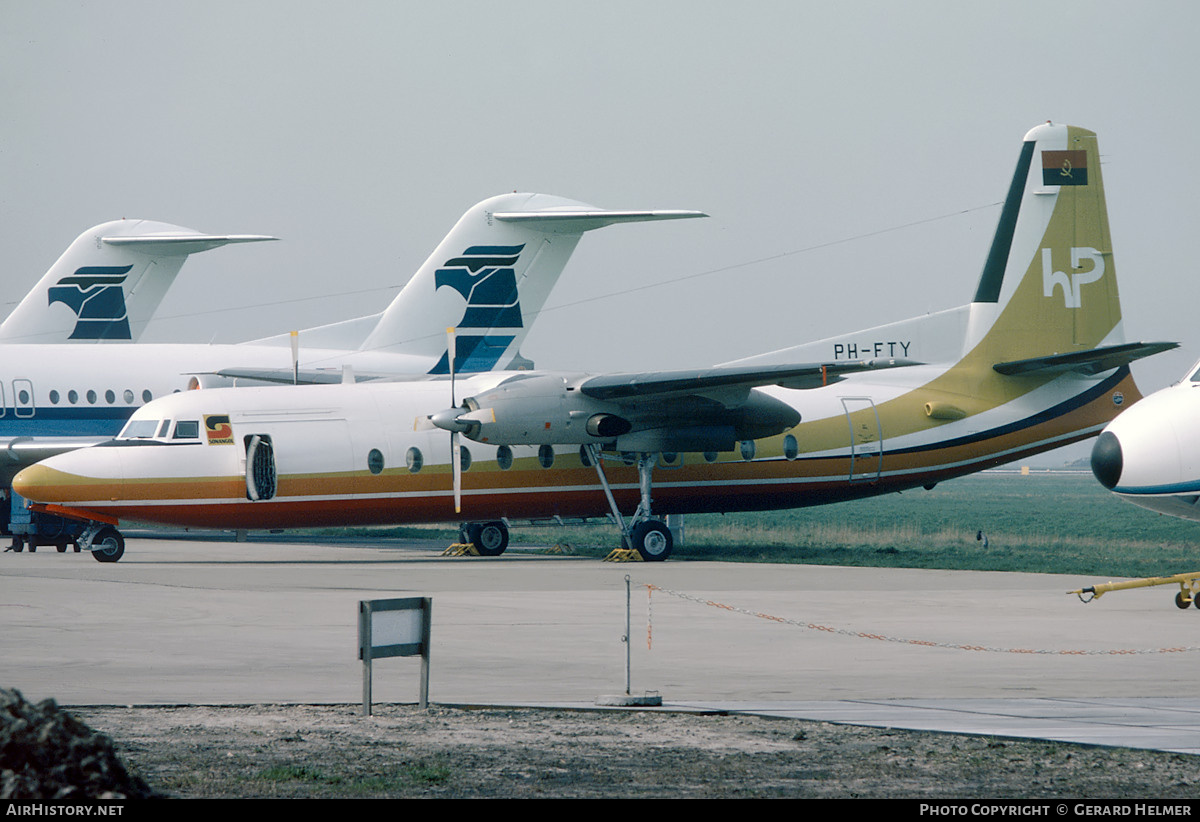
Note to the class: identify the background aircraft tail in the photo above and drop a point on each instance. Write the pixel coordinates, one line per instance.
(489, 278)
(108, 283)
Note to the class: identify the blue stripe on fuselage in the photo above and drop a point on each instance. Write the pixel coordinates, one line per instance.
(65, 422)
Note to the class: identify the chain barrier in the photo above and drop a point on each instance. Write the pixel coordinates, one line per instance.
(904, 641)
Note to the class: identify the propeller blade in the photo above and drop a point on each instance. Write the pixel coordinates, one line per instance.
(450, 355)
(423, 424)
(456, 459)
(448, 420)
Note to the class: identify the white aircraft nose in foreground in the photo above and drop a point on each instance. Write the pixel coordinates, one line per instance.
(1150, 454)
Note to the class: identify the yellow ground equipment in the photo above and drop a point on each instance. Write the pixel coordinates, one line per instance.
(1189, 588)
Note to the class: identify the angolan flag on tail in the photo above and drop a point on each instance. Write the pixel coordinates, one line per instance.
(1064, 168)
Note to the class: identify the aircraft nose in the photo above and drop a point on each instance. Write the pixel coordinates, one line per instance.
(34, 483)
(1107, 460)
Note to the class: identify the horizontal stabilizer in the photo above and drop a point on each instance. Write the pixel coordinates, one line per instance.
(807, 375)
(576, 221)
(1092, 361)
(182, 244)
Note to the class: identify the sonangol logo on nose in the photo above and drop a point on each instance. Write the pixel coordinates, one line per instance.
(94, 293)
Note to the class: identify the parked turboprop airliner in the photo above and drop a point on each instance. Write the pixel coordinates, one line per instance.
(490, 276)
(108, 283)
(1150, 454)
(1036, 361)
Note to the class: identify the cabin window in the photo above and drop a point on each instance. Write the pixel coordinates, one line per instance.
(72, 396)
(791, 449)
(53, 397)
(414, 460)
(91, 397)
(110, 397)
(23, 391)
(147, 396)
(464, 457)
(748, 450)
(375, 461)
(504, 457)
(187, 430)
(128, 397)
(546, 455)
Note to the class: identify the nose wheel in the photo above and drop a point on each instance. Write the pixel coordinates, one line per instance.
(104, 541)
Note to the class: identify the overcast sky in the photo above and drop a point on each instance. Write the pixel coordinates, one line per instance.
(852, 155)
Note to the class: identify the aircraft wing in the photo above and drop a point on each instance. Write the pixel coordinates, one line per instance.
(18, 452)
(285, 376)
(1092, 361)
(704, 410)
(617, 387)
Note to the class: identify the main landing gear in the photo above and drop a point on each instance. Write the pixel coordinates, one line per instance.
(648, 536)
(489, 538)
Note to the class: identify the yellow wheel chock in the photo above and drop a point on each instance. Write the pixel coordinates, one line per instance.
(461, 549)
(624, 555)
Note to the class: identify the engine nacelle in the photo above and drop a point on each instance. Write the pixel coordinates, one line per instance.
(538, 410)
(547, 409)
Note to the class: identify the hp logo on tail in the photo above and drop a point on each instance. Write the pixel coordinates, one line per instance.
(1071, 284)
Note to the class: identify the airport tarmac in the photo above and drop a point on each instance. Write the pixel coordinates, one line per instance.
(190, 621)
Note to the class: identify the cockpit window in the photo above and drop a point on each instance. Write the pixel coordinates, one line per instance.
(187, 430)
(164, 428)
(139, 430)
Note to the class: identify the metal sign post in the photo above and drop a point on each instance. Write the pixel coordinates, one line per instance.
(394, 627)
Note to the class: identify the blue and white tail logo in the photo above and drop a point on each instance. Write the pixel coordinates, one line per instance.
(95, 294)
(485, 276)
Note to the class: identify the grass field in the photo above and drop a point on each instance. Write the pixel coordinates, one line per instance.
(1045, 522)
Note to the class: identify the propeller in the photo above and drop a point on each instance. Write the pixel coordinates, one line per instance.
(455, 432)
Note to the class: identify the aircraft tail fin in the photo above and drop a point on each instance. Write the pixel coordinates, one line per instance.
(1049, 285)
(108, 283)
(489, 278)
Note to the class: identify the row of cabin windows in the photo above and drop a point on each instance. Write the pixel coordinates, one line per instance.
(24, 405)
(504, 456)
(90, 395)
